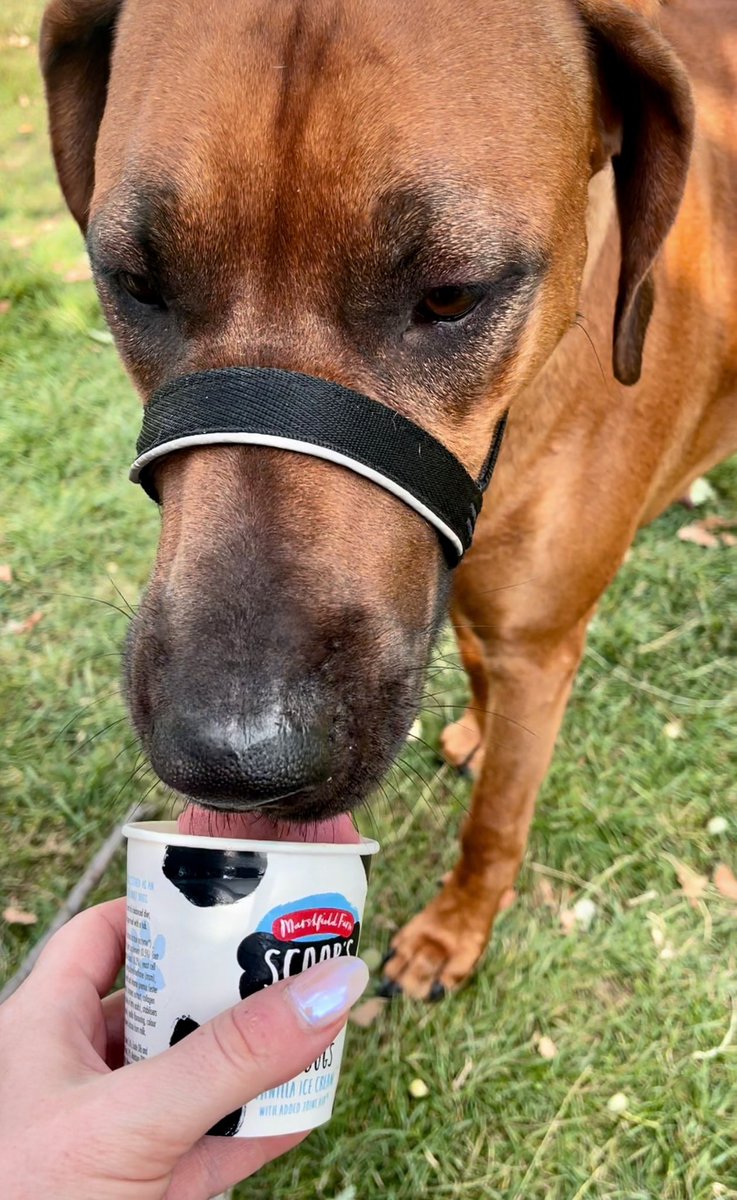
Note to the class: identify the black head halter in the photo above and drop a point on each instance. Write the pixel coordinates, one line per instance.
(259, 406)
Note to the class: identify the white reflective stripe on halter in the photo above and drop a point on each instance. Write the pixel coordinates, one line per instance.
(309, 448)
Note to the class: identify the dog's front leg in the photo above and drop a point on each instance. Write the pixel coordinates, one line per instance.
(530, 684)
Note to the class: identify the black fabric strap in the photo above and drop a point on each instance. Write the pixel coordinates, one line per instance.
(313, 415)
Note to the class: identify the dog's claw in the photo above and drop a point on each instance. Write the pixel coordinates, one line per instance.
(388, 989)
(388, 957)
(437, 991)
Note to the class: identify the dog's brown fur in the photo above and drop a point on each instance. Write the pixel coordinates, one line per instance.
(287, 146)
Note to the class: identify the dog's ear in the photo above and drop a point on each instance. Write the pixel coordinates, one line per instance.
(75, 47)
(646, 120)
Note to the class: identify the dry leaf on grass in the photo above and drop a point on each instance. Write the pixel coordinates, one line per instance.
(692, 884)
(544, 891)
(725, 882)
(17, 627)
(546, 1047)
(5, 307)
(6, 573)
(462, 1075)
(418, 1089)
(16, 916)
(699, 493)
(717, 825)
(715, 522)
(365, 1014)
(567, 920)
(673, 730)
(697, 534)
(728, 539)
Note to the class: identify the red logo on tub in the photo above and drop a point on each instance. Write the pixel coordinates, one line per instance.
(313, 922)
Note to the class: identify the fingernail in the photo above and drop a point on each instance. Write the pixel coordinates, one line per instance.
(327, 991)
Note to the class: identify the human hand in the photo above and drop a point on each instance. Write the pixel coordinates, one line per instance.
(76, 1124)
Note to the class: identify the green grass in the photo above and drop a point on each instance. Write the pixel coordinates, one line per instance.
(621, 801)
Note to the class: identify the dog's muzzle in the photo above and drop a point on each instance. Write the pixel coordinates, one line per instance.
(257, 406)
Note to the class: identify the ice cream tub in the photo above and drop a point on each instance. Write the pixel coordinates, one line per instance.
(211, 920)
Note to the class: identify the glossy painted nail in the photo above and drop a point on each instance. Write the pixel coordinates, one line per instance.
(327, 991)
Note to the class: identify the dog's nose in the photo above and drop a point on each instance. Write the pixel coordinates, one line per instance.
(226, 759)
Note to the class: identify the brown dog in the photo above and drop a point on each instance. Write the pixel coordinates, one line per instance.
(416, 200)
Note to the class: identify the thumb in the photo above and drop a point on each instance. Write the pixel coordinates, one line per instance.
(260, 1043)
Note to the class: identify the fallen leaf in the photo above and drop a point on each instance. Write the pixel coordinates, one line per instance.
(657, 929)
(584, 910)
(673, 730)
(618, 1103)
(699, 535)
(545, 891)
(725, 882)
(365, 1014)
(19, 41)
(16, 916)
(462, 1075)
(546, 1047)
(5, 307)
(717, 825)
(728, 539)
(19, 241)
(348, 1193)
(716, 522)
(24, 101)
(418, 1089)
(25, 129)
(6, 573)
(692, 884)
(567, 920)
(700, 492)
(17, 627)
(103, 336)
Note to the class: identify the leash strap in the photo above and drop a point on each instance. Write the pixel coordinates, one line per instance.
(261, 406)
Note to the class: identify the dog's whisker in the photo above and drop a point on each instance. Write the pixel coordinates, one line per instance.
(78, 596)
(93, 736)
(125, 599)
(80, 711)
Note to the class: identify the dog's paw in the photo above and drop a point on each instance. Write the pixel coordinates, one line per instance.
(461, 744)
(438, 950)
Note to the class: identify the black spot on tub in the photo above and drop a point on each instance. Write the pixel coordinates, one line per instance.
(227, 1126)
(210, 877)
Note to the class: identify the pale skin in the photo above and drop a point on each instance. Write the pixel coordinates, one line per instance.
(74, 1122)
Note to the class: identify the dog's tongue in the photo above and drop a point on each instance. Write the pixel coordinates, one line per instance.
(203, 822)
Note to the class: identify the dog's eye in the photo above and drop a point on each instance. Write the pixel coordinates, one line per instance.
(140, 289)
(448, 303)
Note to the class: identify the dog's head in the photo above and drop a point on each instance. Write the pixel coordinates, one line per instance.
(393, 197)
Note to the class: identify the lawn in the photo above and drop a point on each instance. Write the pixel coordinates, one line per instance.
(635, 1004)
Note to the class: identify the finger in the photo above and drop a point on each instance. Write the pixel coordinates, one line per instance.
(113, 1011)
(90, 949)
(215, 1164)
(259, 1044)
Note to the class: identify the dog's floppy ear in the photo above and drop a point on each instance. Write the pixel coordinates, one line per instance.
(646, 119)
(75, 47)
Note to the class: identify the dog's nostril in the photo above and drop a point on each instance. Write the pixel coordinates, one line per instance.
(210, 759)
